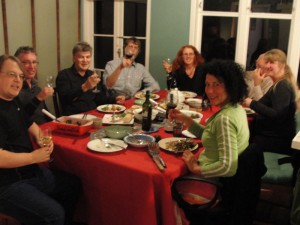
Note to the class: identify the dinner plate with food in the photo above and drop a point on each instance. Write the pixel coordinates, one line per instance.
(196, 116)
(189, 94)
(83, 116)
(177, 144)
(123, 118)
(142, 95)
(111, 108)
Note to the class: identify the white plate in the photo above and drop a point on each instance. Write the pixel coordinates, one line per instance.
(188, 134)
(79, 116)
(142, 95)
(98, 146)
(189, 94)
(193, 113)
(163, 144)
(249, 111)
(107, 119)
(109, 108)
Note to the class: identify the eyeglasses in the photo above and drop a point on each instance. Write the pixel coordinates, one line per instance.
(27, 63)
(14, 75)
(188, 54)
(214, 85)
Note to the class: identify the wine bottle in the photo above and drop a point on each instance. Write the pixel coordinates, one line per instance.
(147, 113)
(170, 105)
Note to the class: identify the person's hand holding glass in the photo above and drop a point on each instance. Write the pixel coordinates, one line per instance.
(45, 141)
(167, 65)
(96, 76)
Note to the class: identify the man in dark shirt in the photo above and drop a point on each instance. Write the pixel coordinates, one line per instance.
(28, 192)
(75, 85)
(31, 95)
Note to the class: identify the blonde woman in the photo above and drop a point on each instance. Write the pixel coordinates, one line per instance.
(275, 125)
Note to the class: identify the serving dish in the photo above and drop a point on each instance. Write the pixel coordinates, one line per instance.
(194, 102)
(169, 143)
(111, 108)
(80, 116)
(139, 140)
(189, 94)
(138, 114)
(121, 119)
(72, 126)
(117, 132)
(195, 115)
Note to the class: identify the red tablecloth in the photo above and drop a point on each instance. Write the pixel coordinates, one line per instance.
(122, 188)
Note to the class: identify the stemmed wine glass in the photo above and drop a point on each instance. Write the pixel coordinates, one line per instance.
(128, 54)
(98, 73)
(167, 63)
(45, 138)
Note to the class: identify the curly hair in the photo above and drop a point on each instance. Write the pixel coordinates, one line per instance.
(231, 74)
(178, 61)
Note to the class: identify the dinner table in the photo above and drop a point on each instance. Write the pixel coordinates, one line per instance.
(124, 187)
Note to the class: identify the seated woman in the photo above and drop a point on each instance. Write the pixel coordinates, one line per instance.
(186, 69)
(226, 135)
(275, 125)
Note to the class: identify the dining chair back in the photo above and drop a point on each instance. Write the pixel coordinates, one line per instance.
(231, 200)
(56, 103)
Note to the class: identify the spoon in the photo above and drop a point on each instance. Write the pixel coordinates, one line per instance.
(138, 141)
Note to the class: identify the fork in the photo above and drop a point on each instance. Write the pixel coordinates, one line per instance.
(84, 116)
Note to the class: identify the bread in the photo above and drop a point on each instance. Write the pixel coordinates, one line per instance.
(127, 118)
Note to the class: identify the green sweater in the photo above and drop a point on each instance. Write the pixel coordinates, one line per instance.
(224, 138)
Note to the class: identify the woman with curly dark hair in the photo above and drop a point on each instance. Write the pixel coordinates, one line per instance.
(186, 68)
(226, 134)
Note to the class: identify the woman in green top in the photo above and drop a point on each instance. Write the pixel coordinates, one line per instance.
(226, 134)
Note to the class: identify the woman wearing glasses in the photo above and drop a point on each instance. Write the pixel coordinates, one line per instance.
(186, 69)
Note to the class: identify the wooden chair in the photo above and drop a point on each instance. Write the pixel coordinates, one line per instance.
(7, 220)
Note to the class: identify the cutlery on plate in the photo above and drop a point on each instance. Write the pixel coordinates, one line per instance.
(110, 144)
(84, 116)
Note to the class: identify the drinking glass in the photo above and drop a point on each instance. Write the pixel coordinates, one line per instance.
(167, 63)
(128, 54)
(49, 81)
(98, 72)
(45, 138)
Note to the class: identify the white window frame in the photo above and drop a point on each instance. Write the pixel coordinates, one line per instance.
(88, 27)
(244, 15)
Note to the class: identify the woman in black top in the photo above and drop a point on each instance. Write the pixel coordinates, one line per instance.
(275, 124)
(186, 69)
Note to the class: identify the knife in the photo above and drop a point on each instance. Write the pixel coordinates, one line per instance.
(156, 159)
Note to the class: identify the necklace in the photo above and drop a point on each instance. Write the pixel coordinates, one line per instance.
(190, 72)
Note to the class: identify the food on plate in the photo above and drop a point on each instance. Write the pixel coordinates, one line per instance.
(142, 95)
(180, 145)
(194, 116)
(111, 108)
(127, 118)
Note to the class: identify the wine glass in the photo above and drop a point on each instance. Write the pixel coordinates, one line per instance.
(49, 81)
(128, 54)
(167, 63)
(98, 73)
(45, 138)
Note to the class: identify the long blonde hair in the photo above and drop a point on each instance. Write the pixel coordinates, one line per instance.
(278, 55)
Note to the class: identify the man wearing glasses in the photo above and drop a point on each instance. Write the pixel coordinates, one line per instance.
(126, 76)
(31, 95)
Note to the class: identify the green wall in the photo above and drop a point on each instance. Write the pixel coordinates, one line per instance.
(169, 31)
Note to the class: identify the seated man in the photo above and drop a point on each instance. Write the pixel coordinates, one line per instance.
(126, 76)
(28, 192)
(31, 95)
(75, 85)
(257, 81)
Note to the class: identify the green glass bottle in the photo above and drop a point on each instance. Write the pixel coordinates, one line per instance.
(147, 113)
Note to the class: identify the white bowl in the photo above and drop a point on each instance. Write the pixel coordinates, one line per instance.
(138, 114)
(195, 115)
(139, 140)
(194, 102)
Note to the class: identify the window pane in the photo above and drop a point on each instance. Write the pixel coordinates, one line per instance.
(221, 5)
(264, 35)
(103, 17)
(135, 14)
(102, 51)
(272, 6)
(218, 37)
